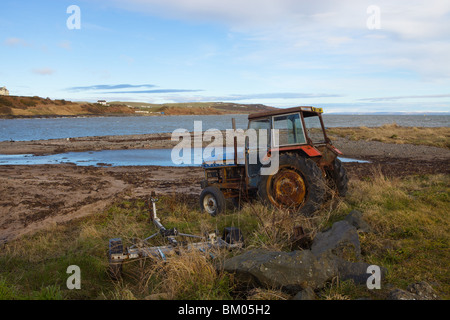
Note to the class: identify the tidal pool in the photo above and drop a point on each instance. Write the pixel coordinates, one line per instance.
(117, 158)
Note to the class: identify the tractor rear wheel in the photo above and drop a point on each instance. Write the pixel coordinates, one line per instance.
(298, 185)
(340, 179)
(212, 201)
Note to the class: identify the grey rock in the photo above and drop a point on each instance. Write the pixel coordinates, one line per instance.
(289, 271)
(356, 271)
(306, 294)
(355, 218)
(423, 290)
(341, 240)
(399, 294)
(415, 291)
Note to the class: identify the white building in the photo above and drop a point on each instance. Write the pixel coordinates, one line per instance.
(102, 102)
(4, 91)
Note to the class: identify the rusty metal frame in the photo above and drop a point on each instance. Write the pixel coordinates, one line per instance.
(141, 248)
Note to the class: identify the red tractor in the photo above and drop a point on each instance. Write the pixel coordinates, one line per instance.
(308, 165)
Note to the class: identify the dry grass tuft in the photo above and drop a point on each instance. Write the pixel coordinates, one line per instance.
(267, 294)
(393, 133)
(191, 276)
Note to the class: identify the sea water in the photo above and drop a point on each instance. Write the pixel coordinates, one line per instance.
(62, 128)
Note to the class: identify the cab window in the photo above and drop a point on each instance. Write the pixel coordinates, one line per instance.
(314, 129)
(290, 129)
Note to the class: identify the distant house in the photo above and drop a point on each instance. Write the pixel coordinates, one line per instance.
(4, 91)
(102, 102)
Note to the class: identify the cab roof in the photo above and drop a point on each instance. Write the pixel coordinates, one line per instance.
(307, 112)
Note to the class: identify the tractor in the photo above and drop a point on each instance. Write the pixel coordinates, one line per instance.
(308, 166)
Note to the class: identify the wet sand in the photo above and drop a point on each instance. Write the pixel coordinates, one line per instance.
(35, 197)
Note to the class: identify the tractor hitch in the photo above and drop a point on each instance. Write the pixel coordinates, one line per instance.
(231, 239)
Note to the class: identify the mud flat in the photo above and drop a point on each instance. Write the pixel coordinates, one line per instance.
(34, 197)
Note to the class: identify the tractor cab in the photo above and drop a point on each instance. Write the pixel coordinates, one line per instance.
(298, 129)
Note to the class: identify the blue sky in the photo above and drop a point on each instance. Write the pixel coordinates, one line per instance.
(276, 52)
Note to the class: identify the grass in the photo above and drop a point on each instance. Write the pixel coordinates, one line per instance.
(411, 222)
(409, 217)
(36, 106)
(393, 133)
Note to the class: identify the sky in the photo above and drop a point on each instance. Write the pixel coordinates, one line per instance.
(352, 56)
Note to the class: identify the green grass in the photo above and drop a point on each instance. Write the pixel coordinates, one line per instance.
(411, 220)
(411, 239)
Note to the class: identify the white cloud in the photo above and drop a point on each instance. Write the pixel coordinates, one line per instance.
(415, 18)
(16, 42)
(418, 20)
(337, 41)
(416, 32)
(65, 45)
(43, 71)
(432, 96)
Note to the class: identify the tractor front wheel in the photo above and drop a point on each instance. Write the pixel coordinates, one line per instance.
(212, 201)
(298, 185)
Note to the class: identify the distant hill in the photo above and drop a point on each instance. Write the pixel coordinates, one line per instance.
(21, 106)
(197, 108)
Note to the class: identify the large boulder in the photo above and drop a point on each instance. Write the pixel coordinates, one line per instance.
(356, 271)
(289, 271)
(334, 252)
(340, 240)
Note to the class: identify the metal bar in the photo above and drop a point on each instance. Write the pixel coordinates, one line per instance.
(163, 251)
(152, 236)
(190, 236)
(233, 121)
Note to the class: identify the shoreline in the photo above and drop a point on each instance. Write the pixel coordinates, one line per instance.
(358, 149)
(93, 115)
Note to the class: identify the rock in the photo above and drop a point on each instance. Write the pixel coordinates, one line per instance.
(306, 294)
(335, 252)
(399, 294)
(355, 218)
(423, 290)
(415, 291)
(289, 271)
(356, 271)
(341, 240)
